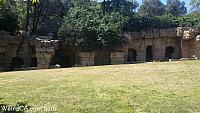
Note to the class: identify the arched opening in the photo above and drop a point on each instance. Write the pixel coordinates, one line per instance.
(132, 55)
(16, 62)
(34, 62)
(149, 53)
(64, 61)
(65, 57)
(169, 51)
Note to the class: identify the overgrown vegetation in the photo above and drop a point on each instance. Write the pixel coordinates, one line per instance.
(87, 26)
(90, 24)
(8, 16)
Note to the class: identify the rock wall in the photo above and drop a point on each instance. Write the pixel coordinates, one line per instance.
(156, 44)
(45, 51)
(12, 47)
(87, 58)
(157, 39)
(117, 57)
(22, 52)
(190, 42)
(102, 57)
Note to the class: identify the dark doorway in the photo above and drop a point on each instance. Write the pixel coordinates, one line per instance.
(149, 53)
(16, 62)
(66, 57)
(169, 51)
(34, 62)
(64, 61)
(132, 55)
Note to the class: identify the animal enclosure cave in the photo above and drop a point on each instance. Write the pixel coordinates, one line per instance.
(132, 55)
(34, 62)
(169, 51)
(149, 53)
(16, 62)
(66, 57)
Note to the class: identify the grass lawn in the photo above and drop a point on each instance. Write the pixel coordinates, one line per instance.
(167, 87)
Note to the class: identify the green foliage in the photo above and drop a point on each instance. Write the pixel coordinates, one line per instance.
(1, 3)
(137, 22)
(21, 11)
(176, 7)
(35, 1)
(195, 4)
(191, 20)
(87, 26)
(123, 6)
(46, 15)
(9, 17)
(152, 8)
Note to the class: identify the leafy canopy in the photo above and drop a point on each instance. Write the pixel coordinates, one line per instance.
(176, 7)
(35, 1)
(86, 26)
(152, 8)
(9, 16)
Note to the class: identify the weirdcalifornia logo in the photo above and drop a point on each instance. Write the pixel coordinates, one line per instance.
(21, 108)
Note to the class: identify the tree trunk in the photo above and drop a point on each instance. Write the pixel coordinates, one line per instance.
(28, 15)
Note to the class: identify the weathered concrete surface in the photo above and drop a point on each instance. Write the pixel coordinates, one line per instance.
(25, 49)
(150, 45)
(117, 57)
(190, 43)
(87, 58)
(158, 39)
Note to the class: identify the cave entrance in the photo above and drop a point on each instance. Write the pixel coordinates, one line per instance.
(64, 61)
(66, 57)
(132, 55)
(149, 53)
(34, 62)
(16, 62)
(169, 51)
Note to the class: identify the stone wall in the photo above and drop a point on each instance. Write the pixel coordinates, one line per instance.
(45, 51)
(102, 57)
(15, 47)
(44, 56)
(87, 58)
(190, 48)
(159, 44)
(190, 44)
(158, 39)
(117, 57)
(17, 52)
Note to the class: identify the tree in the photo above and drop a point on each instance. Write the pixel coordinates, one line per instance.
(86, 26)
(122, 6)
(9, 16)
(1, 3)
(176, 7)
(195, 5)
(152, 8)
(46, 15)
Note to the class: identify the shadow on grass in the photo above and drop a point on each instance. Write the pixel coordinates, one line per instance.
(20, 107)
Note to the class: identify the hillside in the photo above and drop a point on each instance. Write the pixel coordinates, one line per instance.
(168, 87)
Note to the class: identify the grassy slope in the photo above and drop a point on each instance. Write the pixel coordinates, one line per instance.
(156, 87)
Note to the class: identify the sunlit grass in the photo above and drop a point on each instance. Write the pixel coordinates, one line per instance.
(169, 87)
